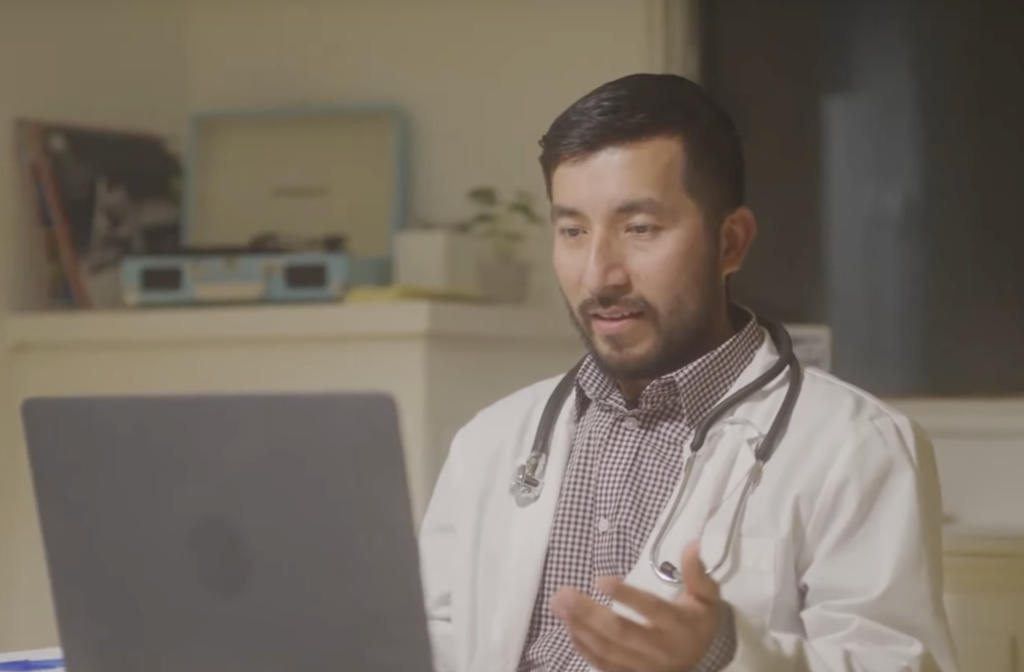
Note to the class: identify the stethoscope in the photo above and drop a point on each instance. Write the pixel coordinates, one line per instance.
(528, 479)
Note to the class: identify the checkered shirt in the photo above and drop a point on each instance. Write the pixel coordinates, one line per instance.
(623, 466)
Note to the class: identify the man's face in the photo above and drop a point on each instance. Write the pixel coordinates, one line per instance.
(637, 265)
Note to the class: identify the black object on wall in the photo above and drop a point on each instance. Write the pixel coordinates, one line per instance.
(885, 165)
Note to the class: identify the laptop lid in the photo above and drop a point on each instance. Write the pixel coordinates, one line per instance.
(224, 533)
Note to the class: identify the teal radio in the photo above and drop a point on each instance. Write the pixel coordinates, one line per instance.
(218, 275)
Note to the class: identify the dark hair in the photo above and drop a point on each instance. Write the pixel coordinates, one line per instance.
(646, 106)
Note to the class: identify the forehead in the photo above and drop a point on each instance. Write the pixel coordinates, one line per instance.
(648, 168)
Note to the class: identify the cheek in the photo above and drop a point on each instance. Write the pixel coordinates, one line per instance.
(568, 270)
(671, 277)
(663, 267)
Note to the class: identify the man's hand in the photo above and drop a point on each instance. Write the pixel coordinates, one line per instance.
(676, 637)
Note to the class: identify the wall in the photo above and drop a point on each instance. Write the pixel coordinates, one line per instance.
(103, 62)
(481, 79)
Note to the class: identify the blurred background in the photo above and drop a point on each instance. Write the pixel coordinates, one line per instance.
(242, 195)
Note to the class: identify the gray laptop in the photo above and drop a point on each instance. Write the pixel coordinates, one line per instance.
(224, 533)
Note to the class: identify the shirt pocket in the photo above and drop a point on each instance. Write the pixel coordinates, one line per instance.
(746, 575)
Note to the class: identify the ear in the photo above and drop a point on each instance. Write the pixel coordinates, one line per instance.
(737, 235)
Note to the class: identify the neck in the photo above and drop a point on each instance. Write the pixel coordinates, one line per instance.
(722, 327)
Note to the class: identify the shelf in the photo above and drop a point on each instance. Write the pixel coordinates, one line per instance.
(277, 323)
(945, 418)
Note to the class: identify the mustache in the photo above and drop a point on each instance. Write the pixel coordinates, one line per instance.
(604, 302)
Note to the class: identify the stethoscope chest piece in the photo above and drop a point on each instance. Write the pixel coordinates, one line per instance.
(528, 480)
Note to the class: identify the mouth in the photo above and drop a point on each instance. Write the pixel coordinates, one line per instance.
(614, 319)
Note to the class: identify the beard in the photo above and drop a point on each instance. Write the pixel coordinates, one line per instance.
(681, 332)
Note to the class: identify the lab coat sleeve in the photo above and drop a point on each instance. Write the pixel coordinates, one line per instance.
(438, 540)
(871, 566)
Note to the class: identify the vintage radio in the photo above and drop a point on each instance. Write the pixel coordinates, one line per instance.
(307, 173)
(257, 273)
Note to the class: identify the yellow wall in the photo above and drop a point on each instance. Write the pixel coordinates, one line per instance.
(481, 80)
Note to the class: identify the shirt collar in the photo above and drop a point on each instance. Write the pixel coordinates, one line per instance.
(696, 387)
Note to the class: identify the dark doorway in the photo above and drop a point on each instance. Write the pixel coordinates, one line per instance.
(884, 141)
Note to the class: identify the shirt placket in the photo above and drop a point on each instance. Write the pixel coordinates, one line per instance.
(613, 521)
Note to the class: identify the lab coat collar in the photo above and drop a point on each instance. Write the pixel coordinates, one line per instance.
(752, 411)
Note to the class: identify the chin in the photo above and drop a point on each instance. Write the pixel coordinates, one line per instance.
(625, 365)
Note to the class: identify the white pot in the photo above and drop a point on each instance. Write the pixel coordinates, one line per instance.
(439, 260)
(504, 280)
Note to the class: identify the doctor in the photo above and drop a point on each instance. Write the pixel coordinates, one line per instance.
(828, 560)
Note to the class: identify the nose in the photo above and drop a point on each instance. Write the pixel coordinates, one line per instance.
(605, 270)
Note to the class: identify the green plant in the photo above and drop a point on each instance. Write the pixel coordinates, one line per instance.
(500, 219)
(495, 218)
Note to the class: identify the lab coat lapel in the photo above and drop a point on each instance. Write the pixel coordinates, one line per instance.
(527, 545)
(749, 422)
(722, 465)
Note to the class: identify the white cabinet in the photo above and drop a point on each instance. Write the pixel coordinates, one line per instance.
(441, 362)
(985, 600)
(979, 446)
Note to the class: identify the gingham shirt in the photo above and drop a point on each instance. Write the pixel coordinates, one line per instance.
(624, 465)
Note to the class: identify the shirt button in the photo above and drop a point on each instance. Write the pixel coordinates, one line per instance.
(630, 422)
(603, 525)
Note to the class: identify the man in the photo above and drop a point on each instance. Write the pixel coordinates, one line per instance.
(835, 565)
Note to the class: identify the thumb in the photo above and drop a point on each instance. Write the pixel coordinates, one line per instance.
(699, 583)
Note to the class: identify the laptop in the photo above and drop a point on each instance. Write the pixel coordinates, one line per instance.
(228, 533)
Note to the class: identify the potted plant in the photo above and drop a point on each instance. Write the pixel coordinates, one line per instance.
(503, 275)
(476, 256)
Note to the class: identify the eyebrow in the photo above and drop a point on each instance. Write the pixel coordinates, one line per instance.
(564, 212)
(639, 206)
(634, 206)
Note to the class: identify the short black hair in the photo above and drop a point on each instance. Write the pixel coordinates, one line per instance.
(646, 106)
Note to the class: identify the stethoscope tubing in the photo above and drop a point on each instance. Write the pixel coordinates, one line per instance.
(528, 479)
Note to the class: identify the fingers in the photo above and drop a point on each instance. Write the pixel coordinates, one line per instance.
(699, 583)
(658, 612)
(676, 636)
(579, 611)
(601, 652)
(609, 641)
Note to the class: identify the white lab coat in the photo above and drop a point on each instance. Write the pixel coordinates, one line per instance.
(836, 567)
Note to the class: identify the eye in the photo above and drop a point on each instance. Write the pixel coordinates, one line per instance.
(569, 231)
(641, 229)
